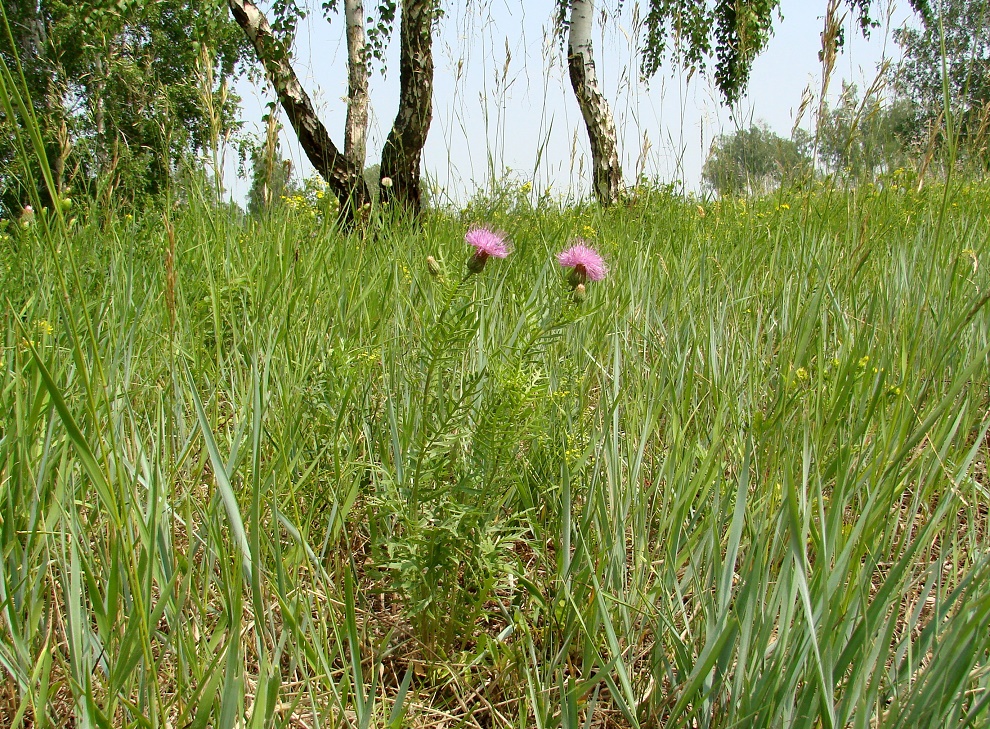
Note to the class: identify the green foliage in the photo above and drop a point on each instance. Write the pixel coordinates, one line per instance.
(124, 91)
(727, 33)
(380, 31)
(447, 536)
(956, 34)
(270, 183)
(861, 138)
(753, 160)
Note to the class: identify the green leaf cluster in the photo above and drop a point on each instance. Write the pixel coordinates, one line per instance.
(125, 91)
(725, 34)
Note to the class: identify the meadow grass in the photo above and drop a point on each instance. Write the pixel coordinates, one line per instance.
(256, 473)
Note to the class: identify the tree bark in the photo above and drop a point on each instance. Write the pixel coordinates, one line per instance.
(99, 115)
(404, 146)
(356, 126)
(606, 172)
(341, 174)
(27, 26)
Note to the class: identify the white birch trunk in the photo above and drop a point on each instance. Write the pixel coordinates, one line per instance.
(606, 172)
(356, 126)
(343, 177)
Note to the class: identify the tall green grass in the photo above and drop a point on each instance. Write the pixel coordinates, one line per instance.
(257, 473)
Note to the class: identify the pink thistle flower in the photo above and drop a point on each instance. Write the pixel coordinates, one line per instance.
(487, 244)
(585, 262)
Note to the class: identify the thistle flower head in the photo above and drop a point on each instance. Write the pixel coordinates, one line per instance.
(487, 243)
(584, 261)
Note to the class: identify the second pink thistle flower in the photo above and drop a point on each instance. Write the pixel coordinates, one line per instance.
(585, 263)
(487, 243)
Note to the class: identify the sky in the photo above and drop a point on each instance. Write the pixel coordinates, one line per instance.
(504, 110)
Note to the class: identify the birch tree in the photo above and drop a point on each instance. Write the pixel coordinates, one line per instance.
(356, 124)
(595, 110)
(341, 173)
(401, 156)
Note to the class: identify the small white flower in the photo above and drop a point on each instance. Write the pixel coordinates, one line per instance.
(386, 182)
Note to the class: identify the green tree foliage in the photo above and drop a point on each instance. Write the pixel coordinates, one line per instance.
(728, 33)
(860, 138)
(965, 27)
(124, 90)
(753, 160)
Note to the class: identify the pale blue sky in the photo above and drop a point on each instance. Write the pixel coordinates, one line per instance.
(492, 115)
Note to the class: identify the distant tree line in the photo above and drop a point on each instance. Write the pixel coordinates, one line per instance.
(126, 91)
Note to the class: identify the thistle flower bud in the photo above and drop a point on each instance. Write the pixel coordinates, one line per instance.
(476, 264)
(432, 266)
(580, 294)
